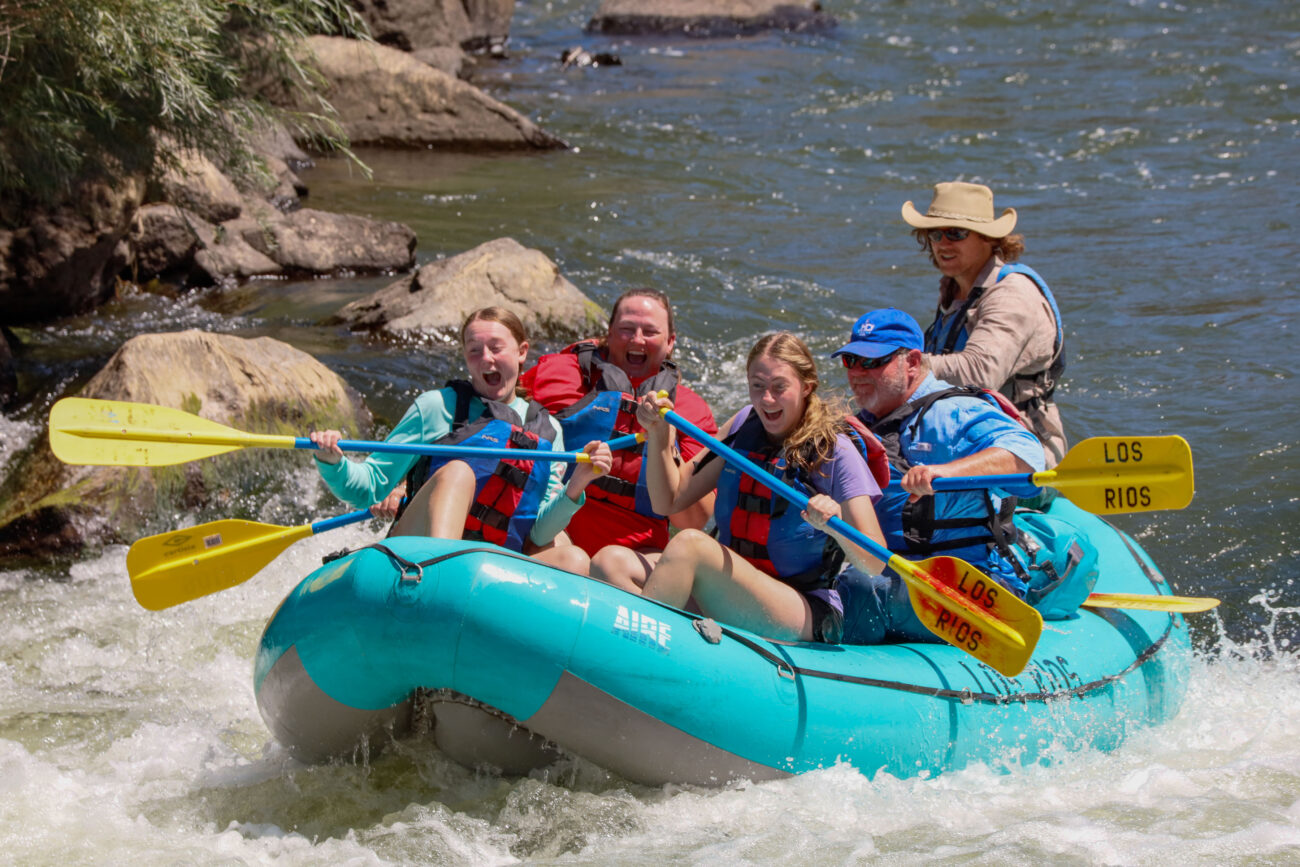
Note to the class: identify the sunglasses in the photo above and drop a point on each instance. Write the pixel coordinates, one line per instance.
(860, 363)
(951, 234)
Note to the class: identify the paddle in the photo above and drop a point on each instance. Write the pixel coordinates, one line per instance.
(176, 567)
(118, 433)
(1151, 602)
(1108, 475)
(954, 600)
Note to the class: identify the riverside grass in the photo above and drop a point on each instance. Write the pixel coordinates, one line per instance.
(89, 88)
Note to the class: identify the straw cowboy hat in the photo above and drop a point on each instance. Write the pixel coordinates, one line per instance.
(965, 206)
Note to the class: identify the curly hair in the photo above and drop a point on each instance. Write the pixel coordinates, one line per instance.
(1007, 249)
(812, 442)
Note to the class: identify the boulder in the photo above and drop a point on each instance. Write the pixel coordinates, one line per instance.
(66, 259)
(386, 97)
(707, 18)
(320, 242)
(193, 182)
(432, 304)
(412, 25)
(168, 241)
(259, 385)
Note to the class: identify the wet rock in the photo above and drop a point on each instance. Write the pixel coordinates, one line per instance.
(707, 18)
(386, 97)
(259, 385)
(66, 259)
(433, 303)
(581, 57)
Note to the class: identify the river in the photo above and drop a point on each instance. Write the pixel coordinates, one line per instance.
(1149, 148)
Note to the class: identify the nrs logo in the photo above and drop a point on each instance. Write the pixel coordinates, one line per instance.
(647, 631)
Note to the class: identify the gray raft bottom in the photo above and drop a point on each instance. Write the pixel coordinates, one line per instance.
(577, 716)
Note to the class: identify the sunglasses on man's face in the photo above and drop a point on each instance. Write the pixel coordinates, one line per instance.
(951, 234)
(858, 362)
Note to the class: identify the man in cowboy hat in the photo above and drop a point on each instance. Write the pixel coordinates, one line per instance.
(997, 325)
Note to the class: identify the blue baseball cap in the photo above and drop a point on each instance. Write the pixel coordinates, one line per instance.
(880, 332)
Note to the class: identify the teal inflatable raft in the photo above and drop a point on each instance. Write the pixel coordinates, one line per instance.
(507, 659)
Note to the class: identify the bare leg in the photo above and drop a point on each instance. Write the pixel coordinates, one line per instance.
(441, 505)
(570, 558)
(624, 568)
(727, 586)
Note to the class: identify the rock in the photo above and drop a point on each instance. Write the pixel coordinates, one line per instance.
(8, 376)
(432, 303)
(67, 258)
(225, 255)
(168, 241)
(272, 139)
(259, 385)
(707, 18)
(323, 243)
(580, 57)
(197, 185)
(163, 240)
(445, 58)
(413, 25)
(386, 97)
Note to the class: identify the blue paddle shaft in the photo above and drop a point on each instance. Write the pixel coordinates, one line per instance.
(976, 483)
(461, 451)
(736, 459)
(341, 521)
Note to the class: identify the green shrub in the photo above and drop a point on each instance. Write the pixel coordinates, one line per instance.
(88, 86)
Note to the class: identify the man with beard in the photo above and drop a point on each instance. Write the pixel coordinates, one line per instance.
(930, 429)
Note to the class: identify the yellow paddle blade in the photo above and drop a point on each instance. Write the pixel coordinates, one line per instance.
(1151, 602)
(1110, 475)
(971, 611)
(122, 434)
(176, 567)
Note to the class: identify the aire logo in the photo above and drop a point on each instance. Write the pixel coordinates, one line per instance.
(647, 631)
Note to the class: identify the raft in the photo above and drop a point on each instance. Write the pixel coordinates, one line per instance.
(507, 660)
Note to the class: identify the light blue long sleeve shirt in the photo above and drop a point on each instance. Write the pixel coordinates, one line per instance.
(428, 420)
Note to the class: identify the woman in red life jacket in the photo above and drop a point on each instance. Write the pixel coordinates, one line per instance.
(772, 569)
(592, 388)
(520, 504)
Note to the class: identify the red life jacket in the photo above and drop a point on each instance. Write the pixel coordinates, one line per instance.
(508, 492)
(608, 410)
(748, 512)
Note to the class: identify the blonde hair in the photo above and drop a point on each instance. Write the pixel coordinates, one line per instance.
(505, 317)
(812, 442)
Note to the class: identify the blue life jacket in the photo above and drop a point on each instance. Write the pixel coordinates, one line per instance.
(948, 334)
(963, 524)
(607, 411)
(507, 492)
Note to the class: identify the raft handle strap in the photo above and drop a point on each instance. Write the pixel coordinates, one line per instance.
(411, 571)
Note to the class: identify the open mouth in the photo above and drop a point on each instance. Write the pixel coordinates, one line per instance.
(492, 378)
(636, 358)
